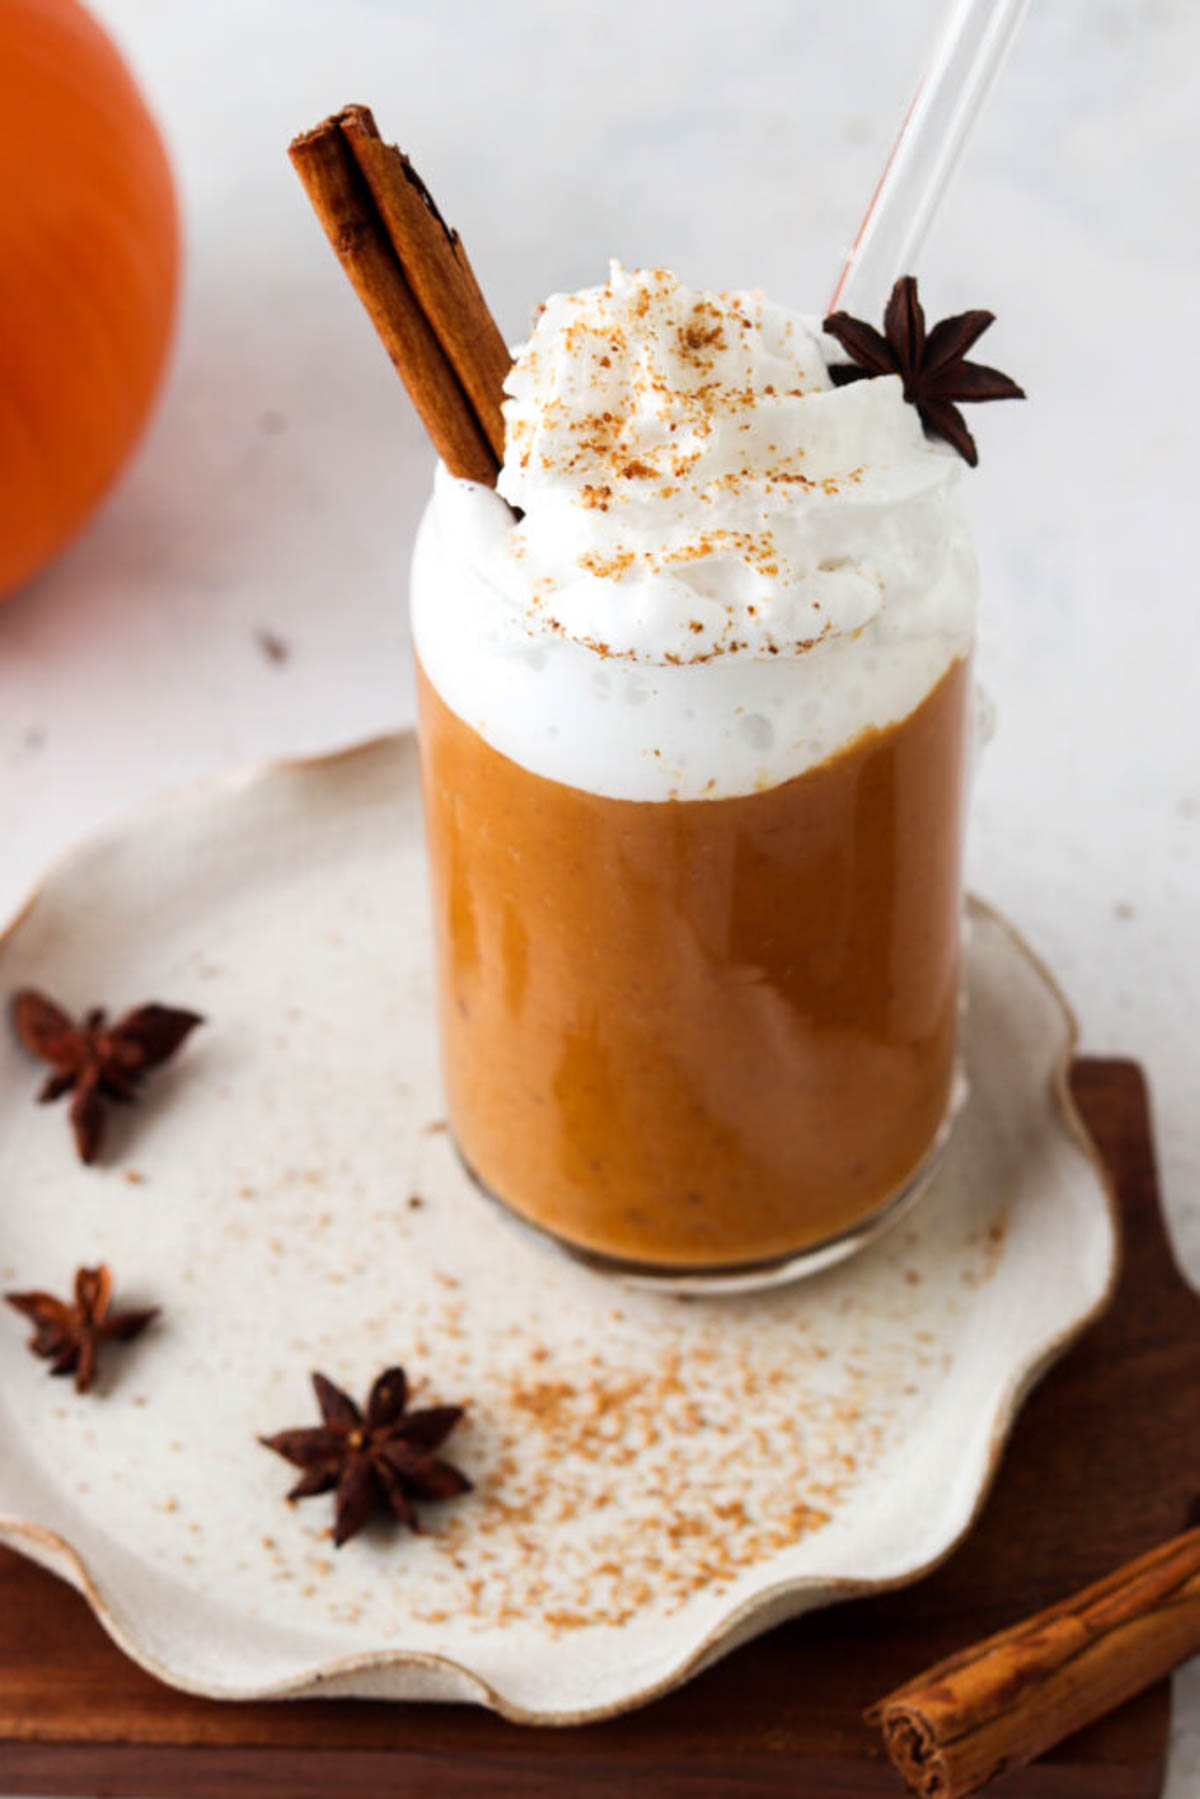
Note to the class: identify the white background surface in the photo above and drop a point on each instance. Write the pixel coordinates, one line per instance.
(279, 485)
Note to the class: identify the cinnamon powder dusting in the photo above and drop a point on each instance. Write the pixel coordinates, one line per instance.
(634, 1457)
(586, 1557)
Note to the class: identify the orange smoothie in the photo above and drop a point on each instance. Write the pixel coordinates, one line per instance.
(706, 1033)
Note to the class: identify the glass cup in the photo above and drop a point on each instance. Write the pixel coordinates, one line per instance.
(705, 1043)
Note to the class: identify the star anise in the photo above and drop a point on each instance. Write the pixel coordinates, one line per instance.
(70, 1335)
(382, 1460)
(932, 364)
(96, 1061)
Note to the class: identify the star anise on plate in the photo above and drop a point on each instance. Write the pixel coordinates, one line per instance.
(380, 1458)
(96, 1061)
(932, 364)
(70, 1335)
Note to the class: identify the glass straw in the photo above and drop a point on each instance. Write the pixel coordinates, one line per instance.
(966, 58)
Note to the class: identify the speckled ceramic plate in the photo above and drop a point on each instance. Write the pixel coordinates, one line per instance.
(656, 1479)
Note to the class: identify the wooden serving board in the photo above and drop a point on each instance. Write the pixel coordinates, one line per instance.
(1105, 1461)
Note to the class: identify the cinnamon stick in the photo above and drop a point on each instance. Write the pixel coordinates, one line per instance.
(1004, 1701)
(412, 275)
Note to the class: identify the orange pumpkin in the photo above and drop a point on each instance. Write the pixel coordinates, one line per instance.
(89, 265)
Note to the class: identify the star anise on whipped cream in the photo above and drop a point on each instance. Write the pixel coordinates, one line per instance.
(932, 364)
(381, 1458)
(70, 1335)
(95, 1061)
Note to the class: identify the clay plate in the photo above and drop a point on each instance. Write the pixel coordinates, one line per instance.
(656, 1479)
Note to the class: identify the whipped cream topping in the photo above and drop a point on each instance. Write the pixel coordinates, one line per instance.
(726, 568)
(693, 484)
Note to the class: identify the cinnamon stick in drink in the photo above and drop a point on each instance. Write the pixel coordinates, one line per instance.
(1007, 1700)
(412, 275)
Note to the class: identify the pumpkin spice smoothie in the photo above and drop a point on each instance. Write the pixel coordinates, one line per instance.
(660, 1021)
(694, 727)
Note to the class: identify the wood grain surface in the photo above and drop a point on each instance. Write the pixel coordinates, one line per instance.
(1105, 1460)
